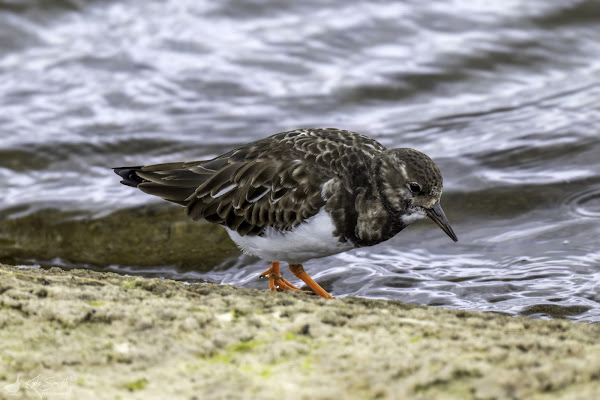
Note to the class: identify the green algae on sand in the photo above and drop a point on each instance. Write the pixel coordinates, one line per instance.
(108, 336)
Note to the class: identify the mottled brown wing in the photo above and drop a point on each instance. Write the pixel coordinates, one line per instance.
(257, 186)
(272, 182)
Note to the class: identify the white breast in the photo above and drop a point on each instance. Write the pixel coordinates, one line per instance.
(311, 239)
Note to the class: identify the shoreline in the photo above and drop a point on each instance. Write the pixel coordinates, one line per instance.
(107, 336)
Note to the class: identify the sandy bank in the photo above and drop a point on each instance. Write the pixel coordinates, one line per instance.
(84, 335)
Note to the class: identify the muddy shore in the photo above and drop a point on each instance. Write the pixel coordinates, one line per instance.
(144, 236)
(83, 334)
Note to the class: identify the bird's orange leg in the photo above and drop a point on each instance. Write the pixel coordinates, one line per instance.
(276, 281)
(298, 270)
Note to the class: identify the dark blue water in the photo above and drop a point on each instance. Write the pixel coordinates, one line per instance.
(502, 95)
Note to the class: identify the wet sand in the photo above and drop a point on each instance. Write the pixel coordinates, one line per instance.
(138, 237)
(83, 334)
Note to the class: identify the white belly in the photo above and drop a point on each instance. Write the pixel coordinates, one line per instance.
(311, 239)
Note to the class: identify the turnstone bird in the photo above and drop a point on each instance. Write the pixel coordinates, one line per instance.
(302, 194)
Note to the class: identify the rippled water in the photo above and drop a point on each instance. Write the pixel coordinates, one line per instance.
(503, 95)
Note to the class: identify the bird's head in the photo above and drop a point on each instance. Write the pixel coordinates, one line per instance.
(411, 187)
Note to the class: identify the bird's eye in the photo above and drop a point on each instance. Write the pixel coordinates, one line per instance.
(414, 187)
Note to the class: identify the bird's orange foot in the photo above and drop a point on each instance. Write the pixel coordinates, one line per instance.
(298, 270)
(277, 283)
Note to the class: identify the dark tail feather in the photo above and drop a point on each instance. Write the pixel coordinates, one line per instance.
(173, 182)
(130, 178)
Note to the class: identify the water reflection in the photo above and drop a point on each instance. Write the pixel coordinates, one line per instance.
(543, 286)
(587, 203)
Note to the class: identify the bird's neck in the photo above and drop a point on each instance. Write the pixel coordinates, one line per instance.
(375, 223)
(367, 218)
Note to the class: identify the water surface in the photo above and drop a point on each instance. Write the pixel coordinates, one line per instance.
(503, 96)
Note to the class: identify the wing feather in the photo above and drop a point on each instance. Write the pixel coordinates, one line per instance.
(274, 182)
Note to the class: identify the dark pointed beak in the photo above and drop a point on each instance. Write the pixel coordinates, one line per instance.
(437, 215)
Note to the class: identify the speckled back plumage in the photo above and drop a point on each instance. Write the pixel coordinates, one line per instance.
(274, 182)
